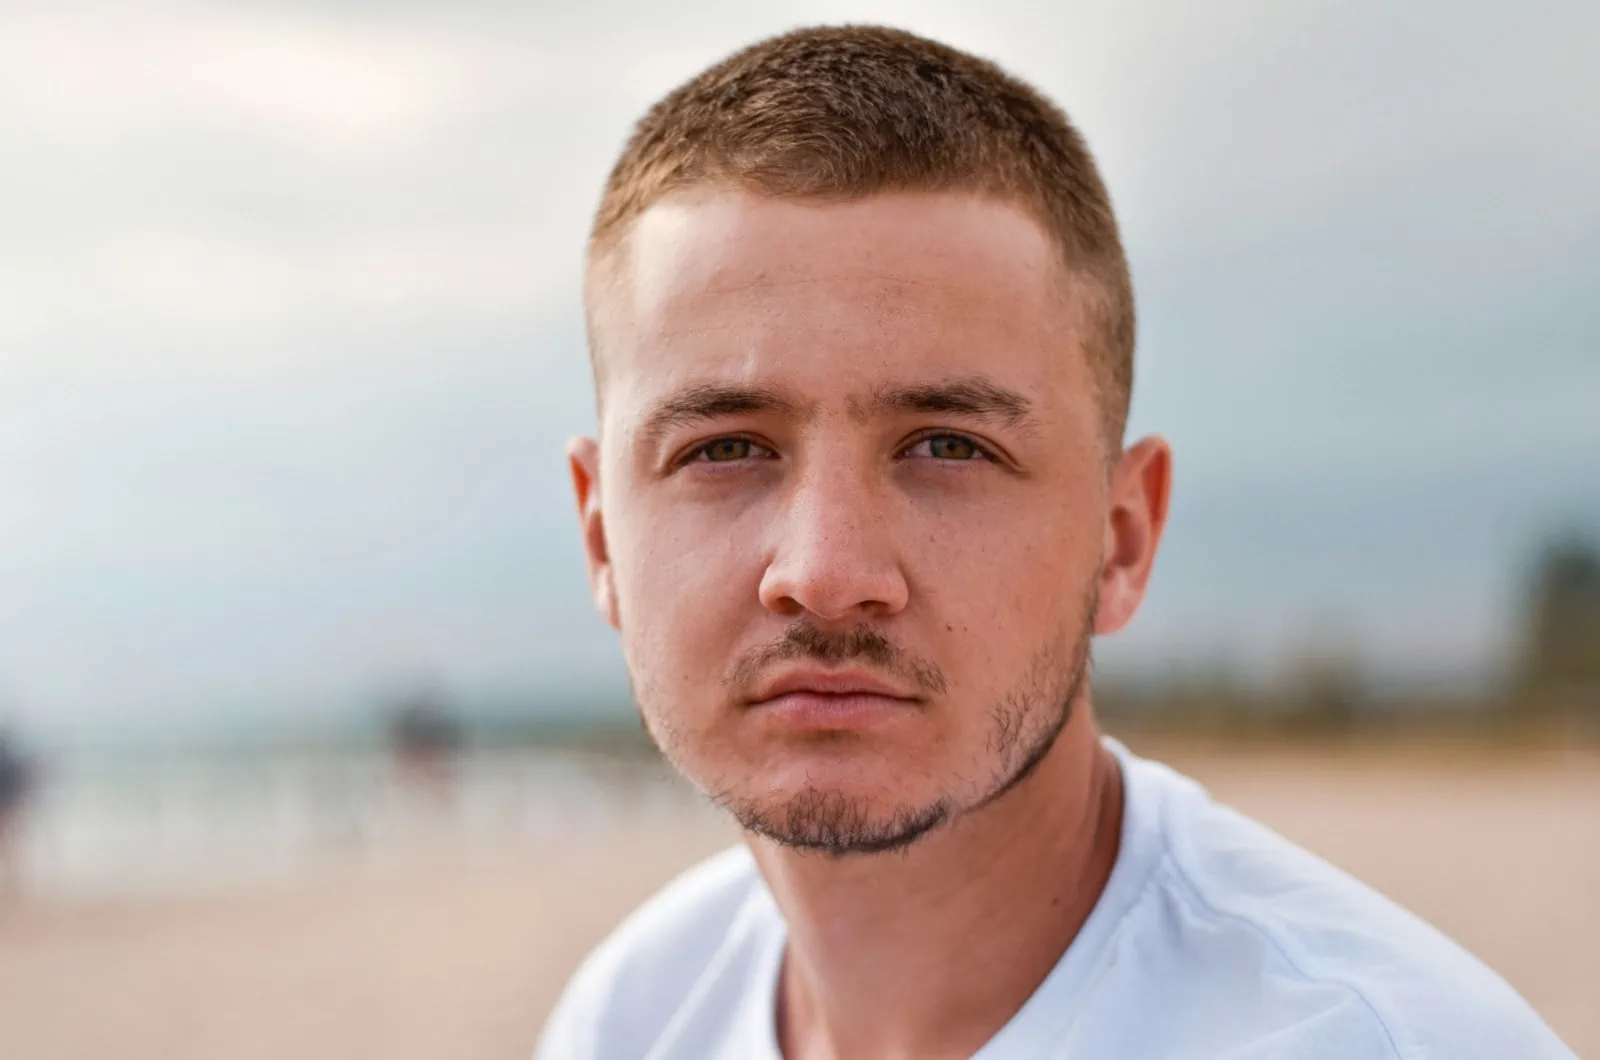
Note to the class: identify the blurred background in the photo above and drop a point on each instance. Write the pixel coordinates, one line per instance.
(309, 740)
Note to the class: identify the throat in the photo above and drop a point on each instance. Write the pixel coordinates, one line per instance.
(930, 951)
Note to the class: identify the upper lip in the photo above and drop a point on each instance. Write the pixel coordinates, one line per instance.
(828, 682)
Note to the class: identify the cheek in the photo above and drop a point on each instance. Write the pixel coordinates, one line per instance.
(996, 586)
(685, 557)
(1007, 554)
(687, 583)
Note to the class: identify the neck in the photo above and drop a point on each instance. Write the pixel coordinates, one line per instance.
(930, 950)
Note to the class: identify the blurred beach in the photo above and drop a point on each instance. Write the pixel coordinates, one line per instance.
(329, 907)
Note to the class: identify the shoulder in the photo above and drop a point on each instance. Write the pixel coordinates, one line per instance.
(1240, 899)
(628, 989)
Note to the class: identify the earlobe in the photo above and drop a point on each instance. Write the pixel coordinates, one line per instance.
(605, 598)
(583, 459)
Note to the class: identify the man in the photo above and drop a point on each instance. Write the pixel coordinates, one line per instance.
(16, 785)
(862, 334)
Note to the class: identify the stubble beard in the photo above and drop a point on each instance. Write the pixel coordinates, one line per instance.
(1023, 726)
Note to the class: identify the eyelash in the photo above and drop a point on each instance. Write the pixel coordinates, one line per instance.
(697, 455)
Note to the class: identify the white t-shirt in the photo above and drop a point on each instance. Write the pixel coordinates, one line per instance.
(1215, 939)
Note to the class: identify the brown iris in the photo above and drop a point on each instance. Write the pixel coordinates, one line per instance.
(951, 447)
(725, 449)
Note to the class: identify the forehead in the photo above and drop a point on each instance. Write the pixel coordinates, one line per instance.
(721, 286)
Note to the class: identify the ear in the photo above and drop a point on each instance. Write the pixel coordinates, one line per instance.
(1141, 486)
(583, 456)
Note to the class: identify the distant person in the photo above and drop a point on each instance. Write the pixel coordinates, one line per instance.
(17, 776)
(425, 736)
(862, 332)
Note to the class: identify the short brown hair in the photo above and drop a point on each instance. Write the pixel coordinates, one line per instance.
(845, 112)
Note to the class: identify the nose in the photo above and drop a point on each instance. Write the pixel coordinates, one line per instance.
(834, 556)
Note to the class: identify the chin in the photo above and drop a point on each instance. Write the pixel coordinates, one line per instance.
(835, 806)
(832, 821)
(870, 772)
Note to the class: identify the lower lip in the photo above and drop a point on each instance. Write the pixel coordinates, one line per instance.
(822, 710)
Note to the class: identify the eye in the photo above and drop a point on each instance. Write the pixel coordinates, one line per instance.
(727, 450)
(947, 447)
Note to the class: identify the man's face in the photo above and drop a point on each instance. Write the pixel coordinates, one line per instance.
(851, 508)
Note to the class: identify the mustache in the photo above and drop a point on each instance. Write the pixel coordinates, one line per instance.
(805, 641)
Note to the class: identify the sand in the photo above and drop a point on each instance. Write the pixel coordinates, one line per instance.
(462, 957)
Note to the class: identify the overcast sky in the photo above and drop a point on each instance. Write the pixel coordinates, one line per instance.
(290, 338)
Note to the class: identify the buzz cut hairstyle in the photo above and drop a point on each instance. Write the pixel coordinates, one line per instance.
(839, 113)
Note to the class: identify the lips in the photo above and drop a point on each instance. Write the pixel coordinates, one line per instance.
(829, 683)
(812, 701)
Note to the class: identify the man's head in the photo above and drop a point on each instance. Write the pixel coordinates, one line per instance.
(862, 332)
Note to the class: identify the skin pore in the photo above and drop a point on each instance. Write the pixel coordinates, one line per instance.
(855, 518)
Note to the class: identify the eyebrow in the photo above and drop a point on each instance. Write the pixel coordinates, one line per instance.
(706, 401)
(973, 396)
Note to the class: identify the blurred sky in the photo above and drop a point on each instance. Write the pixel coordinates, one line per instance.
(290, 335)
